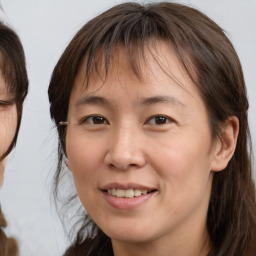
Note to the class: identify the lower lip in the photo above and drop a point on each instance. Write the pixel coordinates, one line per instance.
(127, 203)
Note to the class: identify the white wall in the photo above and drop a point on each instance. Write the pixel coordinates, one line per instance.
(45, 27)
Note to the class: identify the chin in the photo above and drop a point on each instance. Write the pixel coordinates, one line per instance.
(129, 234)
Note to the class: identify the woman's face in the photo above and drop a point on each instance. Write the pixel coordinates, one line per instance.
(8, 122)
(140, 151)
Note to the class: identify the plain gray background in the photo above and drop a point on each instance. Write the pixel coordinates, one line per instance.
(45, 28)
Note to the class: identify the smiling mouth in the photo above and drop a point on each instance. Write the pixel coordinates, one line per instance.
(128, 193)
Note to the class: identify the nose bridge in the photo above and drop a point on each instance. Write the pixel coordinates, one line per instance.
(125, 149)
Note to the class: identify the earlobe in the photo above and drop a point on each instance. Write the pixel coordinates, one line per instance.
(226, 144)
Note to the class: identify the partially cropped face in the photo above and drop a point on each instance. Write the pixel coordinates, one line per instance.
(8, 122)
(140, 151)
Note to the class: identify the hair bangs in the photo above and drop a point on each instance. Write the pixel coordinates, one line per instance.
(137, 38)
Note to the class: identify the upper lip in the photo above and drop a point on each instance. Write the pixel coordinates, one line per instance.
(127, 186)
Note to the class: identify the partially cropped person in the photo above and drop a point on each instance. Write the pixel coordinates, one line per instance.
(13, 90)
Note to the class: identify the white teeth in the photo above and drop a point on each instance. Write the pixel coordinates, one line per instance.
(114, 192)
(128, 193)
(137, 192)
(120, 193)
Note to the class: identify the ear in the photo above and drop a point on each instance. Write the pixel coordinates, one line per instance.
(226, 144)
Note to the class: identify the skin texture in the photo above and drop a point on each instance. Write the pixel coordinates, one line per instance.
(8, 123)
(177, 158)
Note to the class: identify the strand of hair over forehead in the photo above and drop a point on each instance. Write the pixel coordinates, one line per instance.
(138, 28)
(134, 27)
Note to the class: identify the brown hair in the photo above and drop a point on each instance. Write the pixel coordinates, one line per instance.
(212, 63)
(13, 70)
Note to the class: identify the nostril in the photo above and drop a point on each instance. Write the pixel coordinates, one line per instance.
(121, 166)
(111, 166)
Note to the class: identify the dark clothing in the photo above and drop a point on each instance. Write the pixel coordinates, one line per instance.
(91, 247)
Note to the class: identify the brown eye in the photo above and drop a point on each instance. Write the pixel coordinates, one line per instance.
(159, 120)
(95, 120)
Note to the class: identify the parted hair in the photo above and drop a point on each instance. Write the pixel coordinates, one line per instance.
(210, 60)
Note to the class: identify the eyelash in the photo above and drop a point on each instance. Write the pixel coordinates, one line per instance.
(164, 118)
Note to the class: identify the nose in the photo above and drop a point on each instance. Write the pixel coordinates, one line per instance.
(125, 150)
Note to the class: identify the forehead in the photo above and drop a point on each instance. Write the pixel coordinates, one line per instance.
(156, 62)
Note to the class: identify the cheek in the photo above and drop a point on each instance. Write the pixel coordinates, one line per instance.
(184, 165)
(185, 179)
(8, 126)
(84, 158)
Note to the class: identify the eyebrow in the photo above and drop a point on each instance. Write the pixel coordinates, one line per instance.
(162, 99)
(91, 100)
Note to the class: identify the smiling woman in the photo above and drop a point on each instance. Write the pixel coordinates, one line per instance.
(151, 110)
(13, 90)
